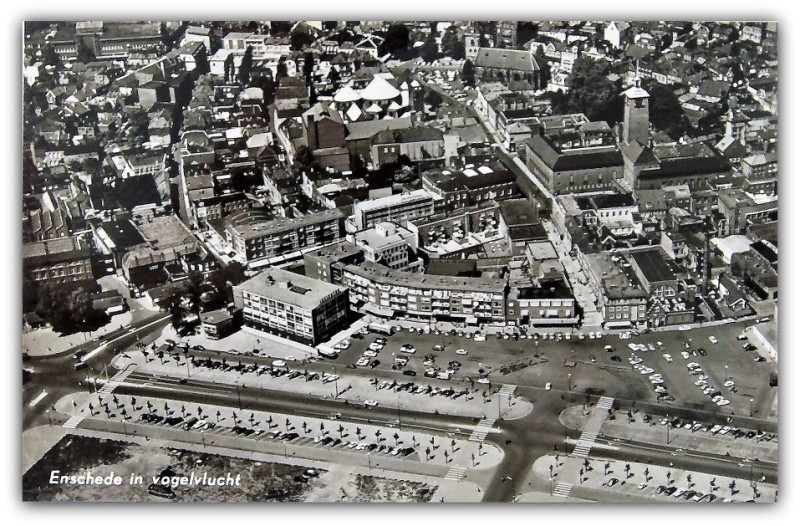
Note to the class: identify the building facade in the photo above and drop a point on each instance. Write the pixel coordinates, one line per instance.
(292, 306)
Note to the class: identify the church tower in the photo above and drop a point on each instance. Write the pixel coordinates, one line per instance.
(636, 122)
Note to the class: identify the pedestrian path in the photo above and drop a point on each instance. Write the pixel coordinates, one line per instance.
(562, 489)
(455, 473)
(507, 390)
(584, 444)
(73, 422)
(115, 381)
(482, 429)
(605, 402)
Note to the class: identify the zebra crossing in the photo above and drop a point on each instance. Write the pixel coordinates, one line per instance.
(507, 390)
(455, 473)
(115, 381)
(562, 489)
(605, 402)
(482, 429)
(73, 422)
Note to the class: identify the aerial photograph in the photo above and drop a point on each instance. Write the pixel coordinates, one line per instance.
(399, 261)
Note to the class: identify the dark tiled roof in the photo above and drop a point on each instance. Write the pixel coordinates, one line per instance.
(653, 265)
(506, 59)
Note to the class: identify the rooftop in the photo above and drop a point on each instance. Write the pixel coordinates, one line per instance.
(386, 276)
(393, 200)
(517, 212)
(653, 265)
(249, 225)
(616, 283)
(290, 288)
(53, 250)
(336, 252)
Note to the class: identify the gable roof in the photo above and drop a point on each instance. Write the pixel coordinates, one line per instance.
(506, 59)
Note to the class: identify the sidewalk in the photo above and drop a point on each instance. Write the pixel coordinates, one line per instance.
(655, 433)
(46, 342)
(353, 389)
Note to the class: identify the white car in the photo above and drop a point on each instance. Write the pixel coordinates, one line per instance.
(375, 346)
(483, 380)
(462, 352)
(701, 383)
(659, 389)
(723, 402)
(548, 386)
(370, 353)
(656, 381)
(645, 370)
(370, 403)
(408, 350)
(692, 365)
(729, 383)
(685, 355)
(363, 361)
(635, 360)
(668, 357)
(480, 337)
(651, 347)
(713, 339)
(344, 344)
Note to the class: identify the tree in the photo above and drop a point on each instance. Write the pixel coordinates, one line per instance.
(85, 53)
(334, 75)
(300, 39)
(303, 158)
(666, 112)
(468, 73)
(592, 93)
(452, 45)
(246, 66)
(430, 49)
(396, 40)
(282, 70)
(433, 99)
(50, 57)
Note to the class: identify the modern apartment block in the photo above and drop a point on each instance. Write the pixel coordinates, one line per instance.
(386, 292)
(257, 239)
(395, 208)
(292, 306)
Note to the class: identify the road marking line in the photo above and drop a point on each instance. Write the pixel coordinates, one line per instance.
(38, 399)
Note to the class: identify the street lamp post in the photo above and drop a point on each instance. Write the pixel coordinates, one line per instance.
(49, 421)
(726, 373)
(569, 382)
(669, 424)
(751, 408)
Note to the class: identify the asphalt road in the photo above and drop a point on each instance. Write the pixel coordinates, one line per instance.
(520, 443)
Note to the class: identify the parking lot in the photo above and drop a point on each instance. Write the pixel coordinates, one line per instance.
(454, 397)
(210, 422)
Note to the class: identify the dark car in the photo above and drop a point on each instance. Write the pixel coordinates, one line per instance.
(670, 490)
(409, 372)
(374, 363)
(616, 358)
(702, 352)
